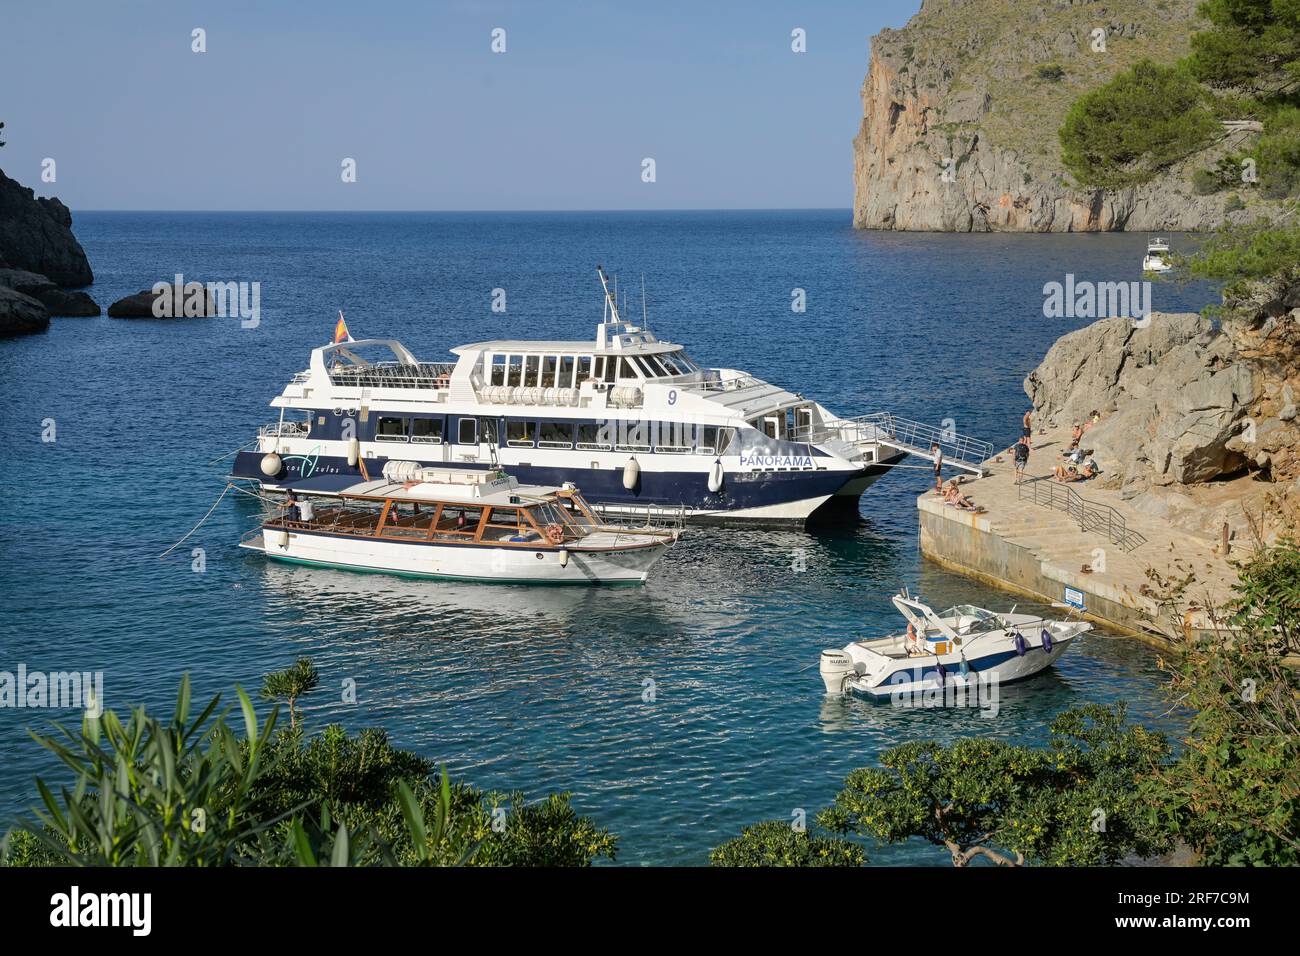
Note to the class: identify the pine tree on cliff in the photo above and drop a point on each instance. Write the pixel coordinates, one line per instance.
(1252, 46)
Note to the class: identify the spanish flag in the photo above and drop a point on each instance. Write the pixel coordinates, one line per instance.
(341, 333)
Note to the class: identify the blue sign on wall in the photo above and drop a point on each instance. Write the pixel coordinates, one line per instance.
(1074, 598)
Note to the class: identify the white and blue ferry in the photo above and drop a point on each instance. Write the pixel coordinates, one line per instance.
(633, 421)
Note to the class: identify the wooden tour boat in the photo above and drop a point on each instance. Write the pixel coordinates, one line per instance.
(470, 525)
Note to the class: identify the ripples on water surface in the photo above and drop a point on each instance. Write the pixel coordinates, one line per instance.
(538, 689)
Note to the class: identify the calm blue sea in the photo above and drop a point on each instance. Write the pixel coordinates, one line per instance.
(539, 690)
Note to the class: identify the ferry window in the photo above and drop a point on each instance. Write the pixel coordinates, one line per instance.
(427, 430)
(548, 371)
(391, 429)
(519, 434)
(530, 370)
(611, 364)
(673, 438)
(498, 370)
(626, 369)
(584, 369)
(659, 368)
(566, 372)
(593, 437)
(555, 435)
(514, 369)
(633, 436)
(706, 442)
(468, 433)
(726, 437)
(646, 368)
(487, 428)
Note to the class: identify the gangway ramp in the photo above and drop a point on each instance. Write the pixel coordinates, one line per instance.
(853, 437)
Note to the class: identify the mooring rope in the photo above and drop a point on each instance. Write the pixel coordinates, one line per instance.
(253, 494)
(200, 524)
(235, 452)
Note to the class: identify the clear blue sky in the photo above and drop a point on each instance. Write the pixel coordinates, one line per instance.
(434, 119)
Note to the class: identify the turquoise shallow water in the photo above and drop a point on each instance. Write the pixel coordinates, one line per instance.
(537, 689)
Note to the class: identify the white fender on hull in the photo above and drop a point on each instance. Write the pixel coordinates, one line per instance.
(354, 452)
(564, 557)
(271, 464)
(631, 472)
(716, 476)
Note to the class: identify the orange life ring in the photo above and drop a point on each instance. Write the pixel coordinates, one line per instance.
(554, 533)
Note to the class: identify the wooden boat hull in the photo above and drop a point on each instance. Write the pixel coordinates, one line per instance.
(464, 561)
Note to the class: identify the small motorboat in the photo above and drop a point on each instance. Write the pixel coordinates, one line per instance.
(469, 526)
(952, 646)
(1157, 257)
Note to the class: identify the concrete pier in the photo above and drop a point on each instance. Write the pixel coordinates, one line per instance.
(1041, 553)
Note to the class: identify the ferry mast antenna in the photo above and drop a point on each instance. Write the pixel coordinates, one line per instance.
(610, 302)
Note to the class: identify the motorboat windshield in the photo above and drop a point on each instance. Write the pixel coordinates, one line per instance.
(969, 619)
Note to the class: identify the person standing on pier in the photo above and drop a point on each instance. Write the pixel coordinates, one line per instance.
(937, 452)
(1026, 427)
(1022, 456)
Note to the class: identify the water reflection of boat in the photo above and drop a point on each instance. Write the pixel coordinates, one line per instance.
(328, 591)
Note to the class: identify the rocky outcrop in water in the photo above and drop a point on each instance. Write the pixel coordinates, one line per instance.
(193, 300)
(21, 314)
(61, 302)
(961, 110)
(36, 236)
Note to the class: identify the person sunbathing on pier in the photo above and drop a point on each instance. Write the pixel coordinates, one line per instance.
(1076, 436)
(953, 496)
(1063, 473)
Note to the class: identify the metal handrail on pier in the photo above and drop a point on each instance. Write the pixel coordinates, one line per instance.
(1090, 516)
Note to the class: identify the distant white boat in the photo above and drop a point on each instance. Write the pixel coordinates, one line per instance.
(468, 525)
(1157, 257)
(953, 645)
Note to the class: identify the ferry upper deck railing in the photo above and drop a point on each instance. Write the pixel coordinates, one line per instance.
(393, 375)
(284, 430)
(719, 384)
(1090, 516)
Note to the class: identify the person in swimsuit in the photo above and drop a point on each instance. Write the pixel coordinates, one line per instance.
(1026, 429)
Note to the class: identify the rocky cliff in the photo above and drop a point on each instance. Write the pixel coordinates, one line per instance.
(1194, 412)
(36, 236)
(39, 258)
(979, 88)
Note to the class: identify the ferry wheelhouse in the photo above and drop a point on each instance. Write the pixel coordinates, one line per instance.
(634, 421)
(469, 526)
